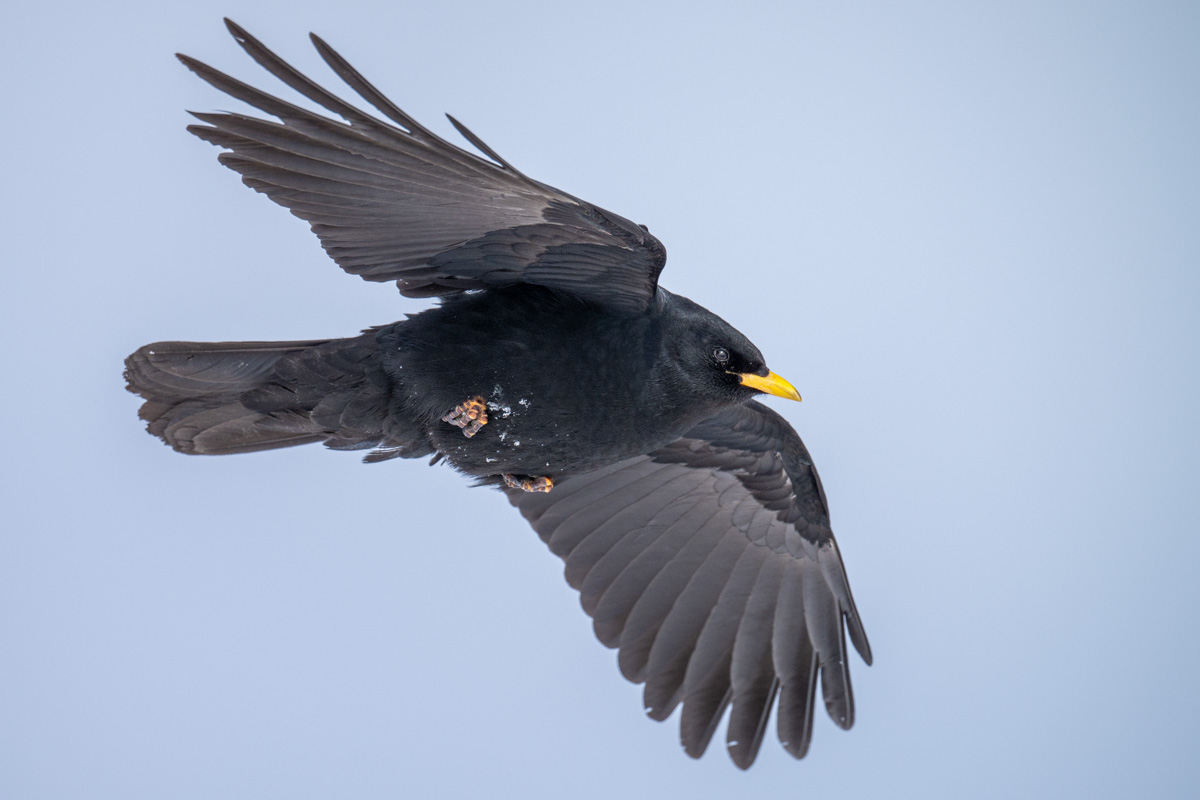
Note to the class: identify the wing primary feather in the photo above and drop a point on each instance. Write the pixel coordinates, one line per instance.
(482, 145)
(281, 69)
(412, 177)
(748, 721)
(795, 664)
(645, 619)
(713, 653)
(676, 639)
(263, 101)
(824, 622)
(358, 83)
(701, 717)
(752, 670)
(830, 559)
(707, 689)
(622, 585)
(326, 130)
(797, 704)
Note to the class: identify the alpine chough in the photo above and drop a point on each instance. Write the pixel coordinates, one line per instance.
(618, 418)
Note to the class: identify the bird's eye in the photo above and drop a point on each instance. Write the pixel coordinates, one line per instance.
(720, 355)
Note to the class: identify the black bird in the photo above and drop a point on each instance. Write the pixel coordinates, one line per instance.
(618, 417)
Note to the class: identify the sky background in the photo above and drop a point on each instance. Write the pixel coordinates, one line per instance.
(969, 235)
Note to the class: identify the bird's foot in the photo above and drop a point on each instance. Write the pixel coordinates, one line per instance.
(527, 483)
(470, 415)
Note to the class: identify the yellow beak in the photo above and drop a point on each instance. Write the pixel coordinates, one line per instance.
(771, 384)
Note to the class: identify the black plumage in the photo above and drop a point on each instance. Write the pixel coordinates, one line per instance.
(689, 516)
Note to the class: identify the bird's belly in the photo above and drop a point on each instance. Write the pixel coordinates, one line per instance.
(568, 387)
(525, 437)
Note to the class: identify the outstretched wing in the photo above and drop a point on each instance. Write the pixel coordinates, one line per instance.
(397, 202)
(710, 564)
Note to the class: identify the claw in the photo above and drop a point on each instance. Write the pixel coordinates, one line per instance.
(529, 484)
(470, 415)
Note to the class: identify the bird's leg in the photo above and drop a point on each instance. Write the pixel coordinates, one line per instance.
(527, 483)
(470, 415)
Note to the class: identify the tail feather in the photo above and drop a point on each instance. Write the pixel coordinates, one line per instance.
(196, 428)
(240, 397)
(168, 370)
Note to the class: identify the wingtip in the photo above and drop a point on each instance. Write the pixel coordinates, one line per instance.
(858, 634)
(235, 30)
(199, 68)
(741, 756)
(332, 57)
(864, 652)
(479, 143)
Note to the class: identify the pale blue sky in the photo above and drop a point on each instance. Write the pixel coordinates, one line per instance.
(969, 235)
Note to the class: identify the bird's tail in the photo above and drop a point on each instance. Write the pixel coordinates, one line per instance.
(239, 397)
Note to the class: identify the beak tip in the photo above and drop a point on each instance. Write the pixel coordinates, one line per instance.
(770, 384)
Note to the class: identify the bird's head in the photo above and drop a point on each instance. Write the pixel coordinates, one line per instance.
(716, 359)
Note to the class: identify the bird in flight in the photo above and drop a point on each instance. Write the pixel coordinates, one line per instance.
(620, 419)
